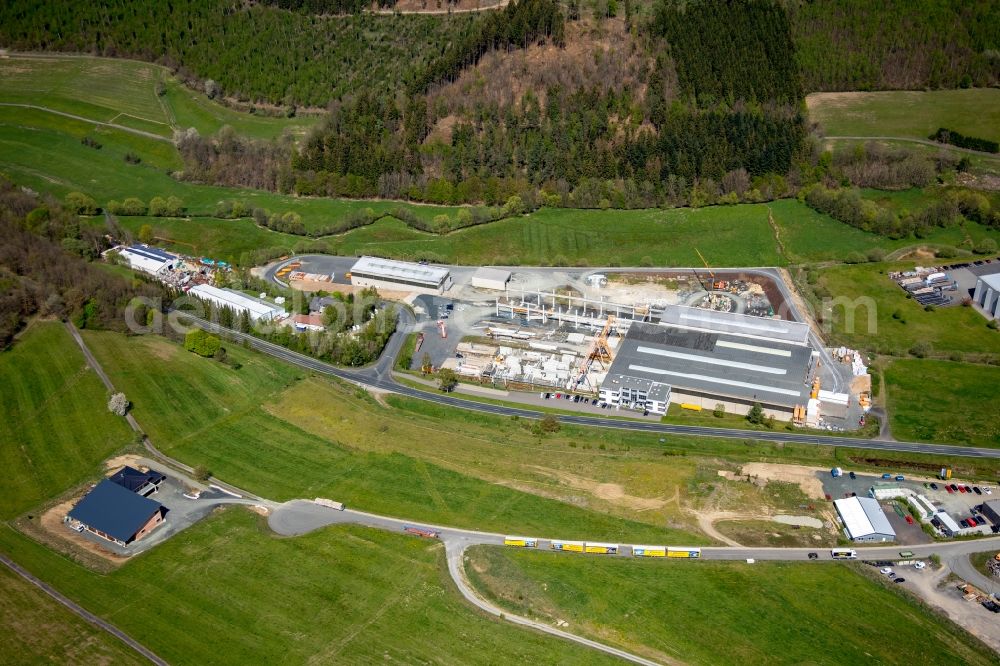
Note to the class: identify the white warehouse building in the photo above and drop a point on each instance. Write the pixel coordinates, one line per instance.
(258, 309)
(400, 275)
(987, 295)
(491, 278)
(864, 519)
(146, 259)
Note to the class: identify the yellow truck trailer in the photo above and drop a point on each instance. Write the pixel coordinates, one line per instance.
(649, 551)
(520, 542)
(568, 546)
(601, 548)
(679, 551)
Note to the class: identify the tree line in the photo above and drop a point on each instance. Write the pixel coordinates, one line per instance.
(944, 135)
(44, 267)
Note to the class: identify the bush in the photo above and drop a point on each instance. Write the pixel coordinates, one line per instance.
(756, 414)
(947, 252)
(201, 473)
(876, 254)
(719, 411)
(118, 404)
(81, 204)
(549, 423)
(921, 349)
(202, 343)
(985, 246)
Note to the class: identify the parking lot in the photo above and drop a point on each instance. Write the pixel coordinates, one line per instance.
(958, 504)
(182, 512)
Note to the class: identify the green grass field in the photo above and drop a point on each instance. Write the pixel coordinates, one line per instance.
(56, 424)
(35, 629)
(264, 429)
(943, 401)
(878, 299)
(914, 114)
(124, 92)
(339, 595)
(711, 613)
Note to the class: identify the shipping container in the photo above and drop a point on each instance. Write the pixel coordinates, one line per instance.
(569, 546)
(520, 542)
(422, 532)
(601, 548)
(649, 551)
(680, 551)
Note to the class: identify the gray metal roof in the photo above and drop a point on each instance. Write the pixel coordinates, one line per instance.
(992, 281)
(390, 269)
(486, 273)
(863, 517)
(735, 324)
(114, 510)
(735, 366)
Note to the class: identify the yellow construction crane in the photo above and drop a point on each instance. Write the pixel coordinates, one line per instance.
(710, 272)
(600, 350)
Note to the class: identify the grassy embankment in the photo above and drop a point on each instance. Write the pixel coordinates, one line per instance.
(886, 321)
(710, 612)
(56, 423)
(348, 594)
(907, 113)
(944, 401)
(35, 629)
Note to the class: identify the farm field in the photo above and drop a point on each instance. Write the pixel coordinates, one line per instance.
(264, 428)
(727, 236)
(124, 92)
(347, 595)
(944, 401)
(914, 114)
(899, 323)
(56, 424)
(709, 613)
(37, 629)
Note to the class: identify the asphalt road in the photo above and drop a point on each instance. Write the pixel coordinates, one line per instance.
(379, 376)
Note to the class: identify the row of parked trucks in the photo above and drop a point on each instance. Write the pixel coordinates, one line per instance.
(598, 548)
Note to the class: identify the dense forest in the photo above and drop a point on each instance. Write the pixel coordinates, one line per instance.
(896, 44)
(44, 268)
(543, 102)
(253, 52)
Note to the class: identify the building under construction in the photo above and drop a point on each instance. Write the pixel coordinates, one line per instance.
(545, 307)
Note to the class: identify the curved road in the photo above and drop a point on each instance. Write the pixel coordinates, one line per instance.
(906, 139)
(379, 376)
(300, 517)
(122, 128)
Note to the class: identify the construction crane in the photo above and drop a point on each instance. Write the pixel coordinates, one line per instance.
(600, 350)
(707, 267)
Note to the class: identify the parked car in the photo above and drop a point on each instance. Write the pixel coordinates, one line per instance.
(645, 412)
(977, 490)
(909, 520)
(558, 396)
(568, 396)
(899, 580)
(950, 491)
(961, 489)
(885, 570)
(934, 486)
(967, 489)
(954, 487)
(853, 475)
(971, 522)
(813, 556)
(919, 565)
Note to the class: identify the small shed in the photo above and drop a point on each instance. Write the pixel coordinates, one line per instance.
(491, 278)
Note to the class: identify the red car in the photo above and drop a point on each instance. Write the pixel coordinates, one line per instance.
(909, 520)
(961, 489)
(966, 489)
(950, 491)
(971, 521)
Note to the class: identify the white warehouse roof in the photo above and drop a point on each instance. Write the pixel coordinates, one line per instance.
(227, 297)
(392, 270)
(145, 258)
(863, 517)
(735, 324)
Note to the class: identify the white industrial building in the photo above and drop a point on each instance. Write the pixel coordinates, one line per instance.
(258, 309)
(146, 259)
(864, 519)
(400, 276)
(987, 295)
(491, 278)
